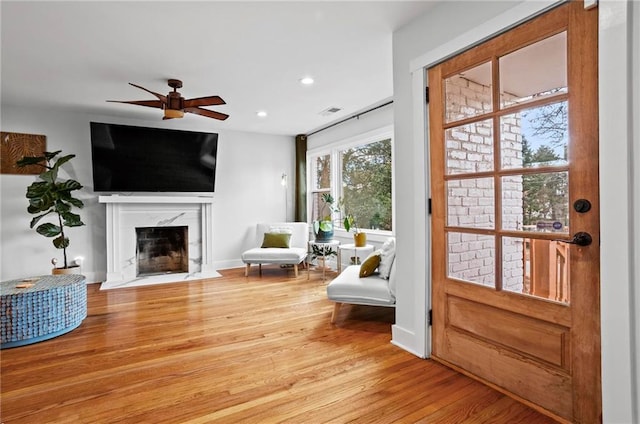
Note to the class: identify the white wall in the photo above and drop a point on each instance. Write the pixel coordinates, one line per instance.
(431, 36)
(248, 190)
(635, 181)
(619, 216)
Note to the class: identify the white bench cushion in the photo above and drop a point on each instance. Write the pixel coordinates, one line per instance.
(348, 287)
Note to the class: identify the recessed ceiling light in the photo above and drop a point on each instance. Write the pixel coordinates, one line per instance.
(261, 113)
(306, 81)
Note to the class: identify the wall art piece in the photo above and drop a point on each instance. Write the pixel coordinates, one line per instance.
(16, 145)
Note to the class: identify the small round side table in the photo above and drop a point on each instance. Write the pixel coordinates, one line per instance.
(357, 254)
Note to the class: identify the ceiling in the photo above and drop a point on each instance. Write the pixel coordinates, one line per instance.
(76, 55)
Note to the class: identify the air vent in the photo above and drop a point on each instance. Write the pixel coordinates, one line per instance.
(330, 111)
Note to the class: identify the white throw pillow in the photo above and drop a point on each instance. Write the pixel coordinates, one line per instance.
(281, 230)
(387, 255)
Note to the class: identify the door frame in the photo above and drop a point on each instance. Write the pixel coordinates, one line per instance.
(418, 67)
(620, 384)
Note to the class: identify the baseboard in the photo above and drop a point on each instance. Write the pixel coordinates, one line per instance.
(227, 264)
(405, 339)
(94, 277)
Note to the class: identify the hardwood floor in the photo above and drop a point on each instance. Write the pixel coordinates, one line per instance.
(237, 349)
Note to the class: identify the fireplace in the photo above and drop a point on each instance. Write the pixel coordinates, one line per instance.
(162, 250)
(182, 251)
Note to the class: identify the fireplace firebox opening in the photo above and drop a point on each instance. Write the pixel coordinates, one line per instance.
(162, 250)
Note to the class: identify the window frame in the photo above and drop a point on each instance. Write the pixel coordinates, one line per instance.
(334, 150)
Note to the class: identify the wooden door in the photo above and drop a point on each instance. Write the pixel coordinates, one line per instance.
(513, 129)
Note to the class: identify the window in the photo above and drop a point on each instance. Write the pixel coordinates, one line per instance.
(321, 183)
(363, 168)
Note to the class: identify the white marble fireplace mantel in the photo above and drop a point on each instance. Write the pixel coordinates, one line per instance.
(115, 198)
(126, 213)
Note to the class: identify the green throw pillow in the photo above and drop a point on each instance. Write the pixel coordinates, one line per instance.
(369, 265)
(276, 240)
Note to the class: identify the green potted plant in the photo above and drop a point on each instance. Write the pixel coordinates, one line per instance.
(52, 196)
(349, 222)
(323, 226)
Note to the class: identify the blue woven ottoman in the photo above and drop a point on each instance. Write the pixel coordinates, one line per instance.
(51, 306)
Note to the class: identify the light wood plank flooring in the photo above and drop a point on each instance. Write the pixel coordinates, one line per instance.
(237, 349)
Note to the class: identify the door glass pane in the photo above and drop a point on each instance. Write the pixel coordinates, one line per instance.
(468, 93)
(536, 202)
(536, 267)
(470, 203)
(534, 72)
(512, 202)
(535, 137)
(470, 147)
(471, 258)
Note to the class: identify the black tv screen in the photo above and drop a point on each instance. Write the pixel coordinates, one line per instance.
(139, 159)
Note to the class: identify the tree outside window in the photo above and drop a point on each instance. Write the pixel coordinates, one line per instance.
(321, 183)
(367, 184)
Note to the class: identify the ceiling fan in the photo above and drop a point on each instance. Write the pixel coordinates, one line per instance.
(174, 105)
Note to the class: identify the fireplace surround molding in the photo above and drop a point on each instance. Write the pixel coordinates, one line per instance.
(126, 213)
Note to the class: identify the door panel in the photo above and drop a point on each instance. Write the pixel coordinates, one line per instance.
(514, 304)
(537, 339)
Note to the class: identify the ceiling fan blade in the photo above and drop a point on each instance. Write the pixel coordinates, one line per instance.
(207, 113)
(159, 96)
(148, 103)
(204, 101)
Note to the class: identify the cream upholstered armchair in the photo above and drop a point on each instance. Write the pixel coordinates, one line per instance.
(283, 243)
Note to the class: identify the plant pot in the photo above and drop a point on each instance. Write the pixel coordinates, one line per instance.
(360, 239)
(66, 271)
(323, 231)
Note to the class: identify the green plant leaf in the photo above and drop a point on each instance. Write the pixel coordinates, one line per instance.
(68, 185)
(71, 219)
(347, 223)
(51, 155)
(50, 176)
(75, 202)
(62, 207)
(328, 198)
(42, 203)
(33, 210)
(37, 189)
(35, 219)
(61, 242)
(48, 229)
(63, 160)
(37, 206)
(31, 160)
(326, 225)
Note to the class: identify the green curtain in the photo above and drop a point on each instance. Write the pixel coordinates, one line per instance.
(300, 212)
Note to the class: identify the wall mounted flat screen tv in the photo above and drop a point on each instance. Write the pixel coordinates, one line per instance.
(138, 159)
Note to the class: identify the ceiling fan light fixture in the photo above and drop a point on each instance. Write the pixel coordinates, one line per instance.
(173, 113)
(175, 106)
